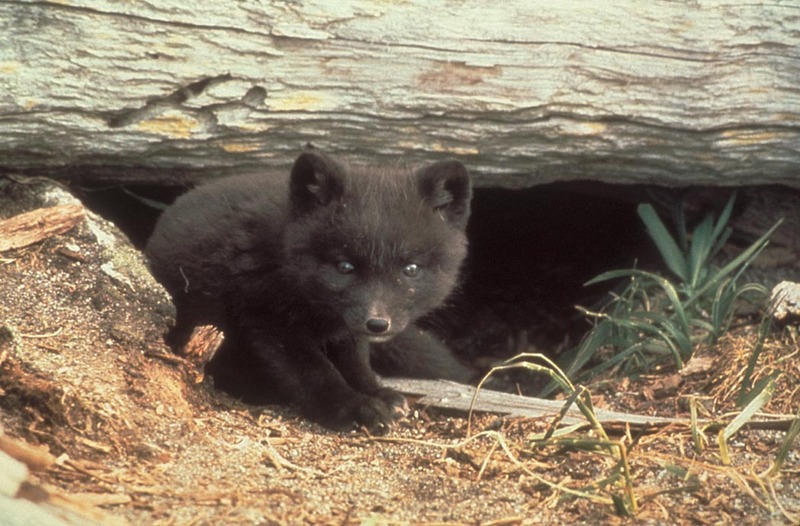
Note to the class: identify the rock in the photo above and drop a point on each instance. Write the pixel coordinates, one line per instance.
(785, 300)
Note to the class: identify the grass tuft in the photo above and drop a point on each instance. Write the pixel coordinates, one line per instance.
(653, 319)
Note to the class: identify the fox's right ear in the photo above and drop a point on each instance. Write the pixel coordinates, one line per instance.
(315, 181)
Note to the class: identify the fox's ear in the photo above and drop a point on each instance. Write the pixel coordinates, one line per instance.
(316, 180)
(446, 188)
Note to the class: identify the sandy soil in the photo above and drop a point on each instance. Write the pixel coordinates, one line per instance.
(137, 435)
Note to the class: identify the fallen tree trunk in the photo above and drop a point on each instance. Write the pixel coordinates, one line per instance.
(524, 92)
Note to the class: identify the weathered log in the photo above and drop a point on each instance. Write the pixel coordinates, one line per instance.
(525, 92)
(459, 397)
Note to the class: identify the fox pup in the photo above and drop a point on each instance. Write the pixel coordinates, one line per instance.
(317, 279)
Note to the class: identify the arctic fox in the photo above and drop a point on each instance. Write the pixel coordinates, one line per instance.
(317, 278)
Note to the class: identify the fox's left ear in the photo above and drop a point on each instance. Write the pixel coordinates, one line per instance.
(446, 188)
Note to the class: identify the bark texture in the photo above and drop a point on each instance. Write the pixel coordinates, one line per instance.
(524, 92)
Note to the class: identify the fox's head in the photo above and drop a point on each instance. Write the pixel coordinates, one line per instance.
(381, 246)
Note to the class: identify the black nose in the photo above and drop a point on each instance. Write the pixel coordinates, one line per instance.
(377, 325)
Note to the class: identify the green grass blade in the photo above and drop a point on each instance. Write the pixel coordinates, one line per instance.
(745, 258)
(672, 295)
(664, 284)
(611, 274)
(745, 390)
(596, 339)
(665, 243)
(720, 242)
(751, 409)
(723, 307)
(724, 217)
(791, 436)
(701, 245)
(656, 333)
(613, 361)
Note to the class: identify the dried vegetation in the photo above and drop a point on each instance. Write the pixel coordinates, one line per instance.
(115, 429)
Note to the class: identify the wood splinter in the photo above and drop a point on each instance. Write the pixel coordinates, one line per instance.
(32, 227)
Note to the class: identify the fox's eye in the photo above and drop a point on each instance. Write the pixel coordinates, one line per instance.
(411, 270)
(345, 267)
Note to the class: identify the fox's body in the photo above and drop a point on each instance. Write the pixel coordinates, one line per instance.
(318, 277)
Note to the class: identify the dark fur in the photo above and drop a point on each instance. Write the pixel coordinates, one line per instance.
(309, 277)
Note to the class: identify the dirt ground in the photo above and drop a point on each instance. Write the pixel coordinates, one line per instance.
(132, 433)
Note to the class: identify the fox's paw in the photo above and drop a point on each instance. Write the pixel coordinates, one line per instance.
(394, 400)
(376, 413)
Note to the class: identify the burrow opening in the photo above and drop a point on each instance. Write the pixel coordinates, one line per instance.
(531, 252)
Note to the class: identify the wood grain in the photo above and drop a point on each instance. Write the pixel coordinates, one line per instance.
(34, 226)
(524, 92)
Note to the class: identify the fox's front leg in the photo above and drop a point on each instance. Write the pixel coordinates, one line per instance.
(352, 357)
(312, 381)
(417, 353)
